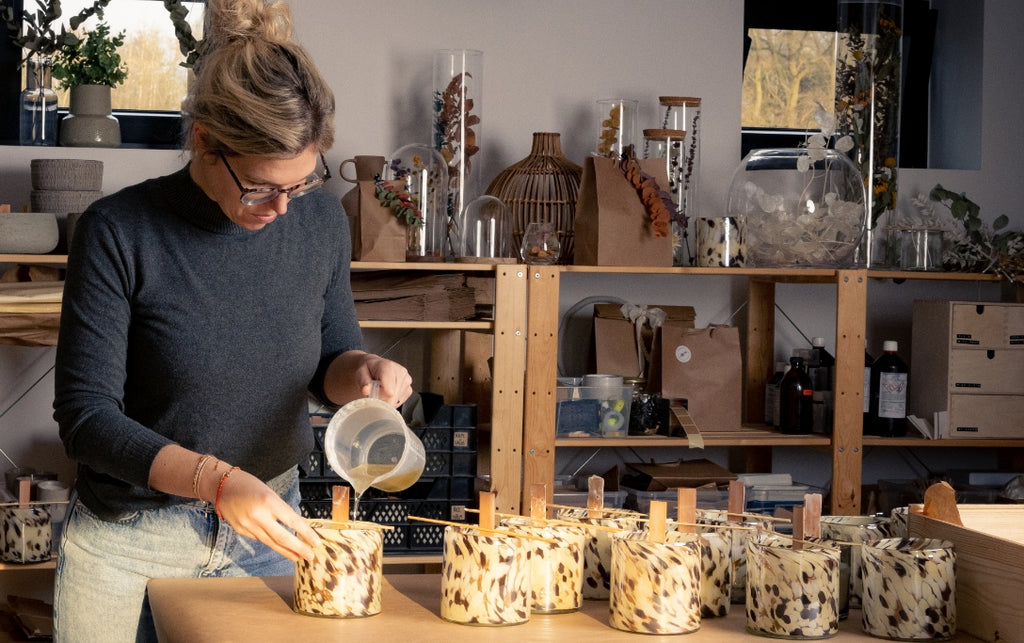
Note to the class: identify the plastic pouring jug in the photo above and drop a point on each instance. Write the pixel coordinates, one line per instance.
(368, 443)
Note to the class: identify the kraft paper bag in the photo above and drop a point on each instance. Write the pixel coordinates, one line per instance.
(626, 336)
(612, 226)
(704, 365)
(377, 234)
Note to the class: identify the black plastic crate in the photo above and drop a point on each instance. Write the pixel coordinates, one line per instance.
(461, 488)
(463, 439)
(463, 464)
(435, 439)
(463, 415)
(437, 463)
(312, 466)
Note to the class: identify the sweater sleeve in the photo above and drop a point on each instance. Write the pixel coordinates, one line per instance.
(340, 326)
(91, 359)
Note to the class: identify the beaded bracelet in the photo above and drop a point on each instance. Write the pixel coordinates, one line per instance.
(200, 465)
(220, 488)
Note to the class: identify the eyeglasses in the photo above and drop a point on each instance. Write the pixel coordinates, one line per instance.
(256, 196)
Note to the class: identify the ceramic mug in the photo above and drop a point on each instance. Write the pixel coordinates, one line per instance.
(366, 167)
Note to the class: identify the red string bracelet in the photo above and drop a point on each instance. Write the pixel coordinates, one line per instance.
(220, 488)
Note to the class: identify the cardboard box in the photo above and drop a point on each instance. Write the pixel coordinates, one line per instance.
(989, 567)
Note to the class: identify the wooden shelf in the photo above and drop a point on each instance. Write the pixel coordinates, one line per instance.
(29, 567)
(34, 259)
(746, 436)
(876, 441)
(846, 443)
(485, 325)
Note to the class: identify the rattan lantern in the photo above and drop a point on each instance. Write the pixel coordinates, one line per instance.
(543, 187)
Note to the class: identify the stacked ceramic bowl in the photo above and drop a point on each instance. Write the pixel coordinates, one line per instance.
(65, 187)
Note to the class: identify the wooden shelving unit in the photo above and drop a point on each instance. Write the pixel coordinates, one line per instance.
(846, 443)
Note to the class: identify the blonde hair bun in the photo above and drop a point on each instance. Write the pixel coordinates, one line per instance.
(233, 20)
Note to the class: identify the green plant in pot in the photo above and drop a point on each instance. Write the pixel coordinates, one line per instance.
(37, 34)
(90, 68)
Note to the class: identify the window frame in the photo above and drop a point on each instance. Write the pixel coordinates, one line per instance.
(919, 21)
(139, 128)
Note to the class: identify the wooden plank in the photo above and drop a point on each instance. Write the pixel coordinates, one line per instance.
(507, 398)
(446, 364)
(847, 431)
(759, 346)
(989, 567)
(540, 380)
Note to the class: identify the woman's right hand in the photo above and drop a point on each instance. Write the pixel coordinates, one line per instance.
(255, 511)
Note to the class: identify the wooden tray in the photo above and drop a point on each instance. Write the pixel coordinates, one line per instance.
(989, 567)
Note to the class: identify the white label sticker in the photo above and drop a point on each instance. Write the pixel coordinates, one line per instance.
(683, 354)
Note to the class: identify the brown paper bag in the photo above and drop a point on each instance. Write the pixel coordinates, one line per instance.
(616, 348)
(612, 227)
(377, 234)
(705, 367)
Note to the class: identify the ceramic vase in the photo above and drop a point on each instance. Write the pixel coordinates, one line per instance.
(90, 123)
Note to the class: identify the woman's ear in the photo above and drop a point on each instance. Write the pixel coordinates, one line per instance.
(200, 141)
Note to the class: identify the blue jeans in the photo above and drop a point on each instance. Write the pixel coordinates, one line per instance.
(103, 567)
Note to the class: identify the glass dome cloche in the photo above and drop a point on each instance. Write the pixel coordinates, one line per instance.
(803, 207)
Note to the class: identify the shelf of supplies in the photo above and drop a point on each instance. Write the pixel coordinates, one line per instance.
(876, 441)
(745, 436)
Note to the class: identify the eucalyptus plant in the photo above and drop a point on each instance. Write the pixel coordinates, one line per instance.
(190, 47)
(92, 61)
(978, 248)
(35, 32)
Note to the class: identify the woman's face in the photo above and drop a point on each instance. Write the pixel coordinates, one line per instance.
(213, 173)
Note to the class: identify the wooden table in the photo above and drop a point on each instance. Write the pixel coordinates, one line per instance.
(259, 609)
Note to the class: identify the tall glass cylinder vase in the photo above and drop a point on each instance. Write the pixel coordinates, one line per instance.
(457, 104)
(869, 54)
(683, 113)
(38, 104)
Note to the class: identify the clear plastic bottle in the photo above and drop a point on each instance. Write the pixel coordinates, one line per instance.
(821, 369)
(889, 378)
(771, 395)
(796, 414)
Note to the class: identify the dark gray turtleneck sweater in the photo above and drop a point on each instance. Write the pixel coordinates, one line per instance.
(178, 326)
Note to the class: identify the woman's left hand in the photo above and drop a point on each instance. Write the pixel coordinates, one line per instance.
(395, 381)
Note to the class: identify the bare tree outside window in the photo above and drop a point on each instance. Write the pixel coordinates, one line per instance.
(156, 80)
(787, 75)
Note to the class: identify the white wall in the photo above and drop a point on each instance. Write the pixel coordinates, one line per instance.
(545, 62)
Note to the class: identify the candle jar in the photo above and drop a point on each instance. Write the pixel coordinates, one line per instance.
(792, 593)
(655, 587)
(715, 572)
(918, 576)
(26, 534)
(556, 568)
(485, 579)
(345, 577)
(597, 549)
(721, 242)
(854, 529)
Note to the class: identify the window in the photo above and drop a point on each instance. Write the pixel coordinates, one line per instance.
(148, 104)
(789, 67)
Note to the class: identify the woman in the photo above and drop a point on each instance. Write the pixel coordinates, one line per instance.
(200, 309)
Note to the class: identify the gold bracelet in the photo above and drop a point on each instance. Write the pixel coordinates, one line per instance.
(200, 465)
(220, 488)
